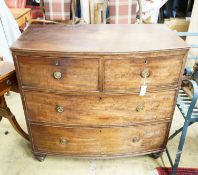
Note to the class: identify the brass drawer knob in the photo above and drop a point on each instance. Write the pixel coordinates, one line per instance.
(57, 75)
(59, 109)
(145, 73)
(139, 108)
(135, 139)
(63, 141)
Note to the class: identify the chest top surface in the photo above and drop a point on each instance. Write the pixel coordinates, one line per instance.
(98, 38)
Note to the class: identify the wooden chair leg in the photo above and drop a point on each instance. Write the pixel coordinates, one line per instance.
(5, 112)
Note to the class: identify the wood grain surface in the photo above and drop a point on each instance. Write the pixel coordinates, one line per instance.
(99, 110)
(80, 87)
(98, 38)
(125, 74)
(6, 69)
(8, 79)
(76, 74)
(98, 141)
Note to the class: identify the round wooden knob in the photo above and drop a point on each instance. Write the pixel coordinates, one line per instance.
(57, 75)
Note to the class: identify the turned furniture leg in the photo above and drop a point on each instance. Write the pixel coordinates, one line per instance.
(5, 112)
(40, 157)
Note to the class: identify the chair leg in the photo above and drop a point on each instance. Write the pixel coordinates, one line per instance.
(169, 157)
(17, 127)
(5, 112)
(180, 147)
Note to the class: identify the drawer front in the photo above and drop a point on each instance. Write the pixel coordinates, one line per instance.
(99, 141)
(99, 110)
(8, 83)
(24, 19)
(128, 74)
(60, 74)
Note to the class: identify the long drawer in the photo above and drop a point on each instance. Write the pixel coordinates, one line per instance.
(59, 73)
(99, 141)
(99, 110)
(130, 74)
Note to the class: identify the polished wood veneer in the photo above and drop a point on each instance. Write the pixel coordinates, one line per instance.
(98, 142)
(8, 82)
(80, 88)
(76, 74)
(99, 110)
(127, 77)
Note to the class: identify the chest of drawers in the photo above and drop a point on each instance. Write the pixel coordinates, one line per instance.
(80, 87)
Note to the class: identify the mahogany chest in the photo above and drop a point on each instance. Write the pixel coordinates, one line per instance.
(99, 90)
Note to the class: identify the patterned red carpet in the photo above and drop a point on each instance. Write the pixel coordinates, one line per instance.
(180, 171)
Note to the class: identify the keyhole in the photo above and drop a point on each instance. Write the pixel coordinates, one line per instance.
(145, 61)
(57, 63)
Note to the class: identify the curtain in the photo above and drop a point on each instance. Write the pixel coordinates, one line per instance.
(9, 32)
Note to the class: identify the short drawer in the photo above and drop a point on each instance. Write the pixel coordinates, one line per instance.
(128, 74)
(99, 141)
(59, 73)
(8, 83)
(98, 110)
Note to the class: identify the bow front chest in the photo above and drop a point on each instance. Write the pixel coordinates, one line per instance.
(99, 90)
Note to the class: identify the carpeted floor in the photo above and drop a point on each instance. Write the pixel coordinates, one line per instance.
(180, 171)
